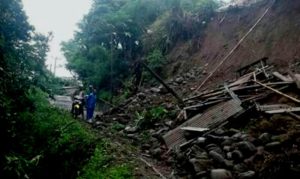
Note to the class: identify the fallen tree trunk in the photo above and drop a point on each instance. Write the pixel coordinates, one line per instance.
(157, 77)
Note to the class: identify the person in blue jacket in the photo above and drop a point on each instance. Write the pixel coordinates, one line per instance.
(90, 104)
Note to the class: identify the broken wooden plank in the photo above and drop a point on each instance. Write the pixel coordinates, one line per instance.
(294, 115)
(262, 96)
(293, 109)
(282, 77)
(203, 104)
(214, 115)
(231, 93)
(263, 69)
(296, 78)
(272, 107)
(278, 92)
(244, 79)
(184, 114)
(254, 76)
(238, 88)
(194, 129)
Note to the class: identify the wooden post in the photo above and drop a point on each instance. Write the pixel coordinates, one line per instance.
(164, 84)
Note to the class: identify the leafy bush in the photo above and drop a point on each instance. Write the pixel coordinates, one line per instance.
(148, 118)
(50, 139)
(156, 61)
(48, 143)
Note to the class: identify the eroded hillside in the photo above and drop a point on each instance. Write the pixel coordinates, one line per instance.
(277, 37)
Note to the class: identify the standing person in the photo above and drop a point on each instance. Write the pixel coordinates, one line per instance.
(90, 104)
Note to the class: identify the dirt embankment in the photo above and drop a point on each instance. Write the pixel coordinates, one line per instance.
(277, 36)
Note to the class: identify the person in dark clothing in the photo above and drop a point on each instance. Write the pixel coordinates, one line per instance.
(78, 100)
(90, 104)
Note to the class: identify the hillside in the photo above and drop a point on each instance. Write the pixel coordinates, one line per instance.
(276, 37)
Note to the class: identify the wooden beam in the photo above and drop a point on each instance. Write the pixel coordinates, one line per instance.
(278, 92)
(231, 93)
(203, 104)
(194, 129)
(157, 77)
(282, 77)
(296, 78)
(296, 109)
(294, 115)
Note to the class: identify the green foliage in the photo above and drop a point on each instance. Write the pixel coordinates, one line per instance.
(50, 139)
(117, 126)
(40, 140)
(156, 61)
(105, 95)
(145, 136)
(117, 34)
(100, 166)
(148, 118)
(57, 146)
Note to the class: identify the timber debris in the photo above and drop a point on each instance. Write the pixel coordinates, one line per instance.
(205, 137)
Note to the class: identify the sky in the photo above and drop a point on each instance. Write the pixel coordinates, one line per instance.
(61, 18)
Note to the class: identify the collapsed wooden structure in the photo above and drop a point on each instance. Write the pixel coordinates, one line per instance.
(217, 106)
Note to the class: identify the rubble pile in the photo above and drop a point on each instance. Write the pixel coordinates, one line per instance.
(248, 128)
(233, 154)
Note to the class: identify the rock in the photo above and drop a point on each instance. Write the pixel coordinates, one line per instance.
(244, 136)
(260, 151)
(227, 142)
(246, 147)
(273, 146)
(155, 90)
(141, 95)
(156, 152)
(227, 148)
(232, 131)
(216, 157)
(129, 129)
(132, 136)
(158, 133)
(219, 132)
(203, 155)
(265, 138)
(214, 139)
(220, 174)
(179, 80)
(237, 136)
(146, 146)
(201, 140)
(240, 168)
(237, 155)
(229, 163)
(197, 150)
(200, 165)
(169, 106)
(214, 147)
(162, 89)
(247, 175)
(169, 123)
(229, 155)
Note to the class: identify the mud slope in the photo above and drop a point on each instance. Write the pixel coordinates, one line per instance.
(277, 36)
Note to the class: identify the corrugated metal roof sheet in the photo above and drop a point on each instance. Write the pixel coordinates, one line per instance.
(213, 115)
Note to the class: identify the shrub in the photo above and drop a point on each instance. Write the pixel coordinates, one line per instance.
(47, 142)
(149, 117)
